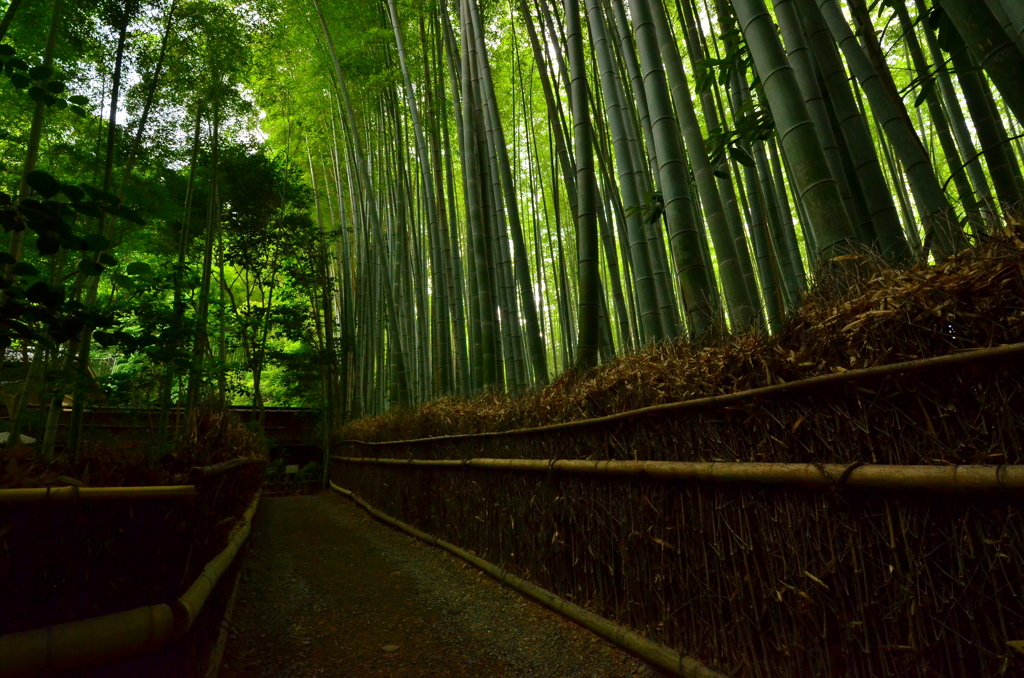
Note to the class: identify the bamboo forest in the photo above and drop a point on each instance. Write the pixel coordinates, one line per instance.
(699, 323)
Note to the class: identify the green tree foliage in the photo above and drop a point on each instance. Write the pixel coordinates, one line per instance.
(358, 205)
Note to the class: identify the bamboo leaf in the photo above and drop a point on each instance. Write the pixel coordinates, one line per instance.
(741, 156)
(926, 89)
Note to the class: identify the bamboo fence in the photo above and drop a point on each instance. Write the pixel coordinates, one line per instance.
(104, 638)
(727, 528)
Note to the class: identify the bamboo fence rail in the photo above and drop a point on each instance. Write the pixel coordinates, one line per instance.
(964, 478)
(645, 648)
(31, 653)
(72, 493)
(217, 653)
(892, 369)
(198, 472)
(111, 636)
(188, 606)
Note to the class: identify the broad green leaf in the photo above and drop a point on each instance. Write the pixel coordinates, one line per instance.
(74, 193)
(138, 268)
(55, 87)
(40, 72)
(47, 245)
(89, 267)
(89, 209)
(96, 242)
(131, 215)
(25, 269)
(44, 184)
(949, 37)
(108, 259)
(104, 339)
(20, 80)
(79, 100)
(126, 214)
(123, 337)
(100, 195)
(39, 293)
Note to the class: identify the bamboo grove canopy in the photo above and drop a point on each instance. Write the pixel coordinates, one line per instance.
(362, 204)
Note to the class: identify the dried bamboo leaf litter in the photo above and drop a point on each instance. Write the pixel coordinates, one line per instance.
(973, 300)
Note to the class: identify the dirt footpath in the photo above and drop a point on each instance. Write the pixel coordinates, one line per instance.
(328, 591)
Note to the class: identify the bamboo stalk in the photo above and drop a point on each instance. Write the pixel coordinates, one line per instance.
(645, 648)
(112, 636)
(963, 478)
(36, 494)
(944, 361)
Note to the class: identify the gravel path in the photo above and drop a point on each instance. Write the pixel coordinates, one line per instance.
(328, 591)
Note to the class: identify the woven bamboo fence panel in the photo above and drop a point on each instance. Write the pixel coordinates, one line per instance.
(759, 581)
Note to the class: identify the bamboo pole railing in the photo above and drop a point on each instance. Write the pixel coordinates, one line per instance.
(217, 653)
(197, 472)
(953, 360)
(43, 651)
(962, 478)
(631, 641)
(112, 636)
(72, 493)
(188, 606)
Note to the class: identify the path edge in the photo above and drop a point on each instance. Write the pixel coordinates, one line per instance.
(640, 646)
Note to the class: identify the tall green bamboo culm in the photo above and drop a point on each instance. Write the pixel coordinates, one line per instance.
(816, 189)
(684, 235)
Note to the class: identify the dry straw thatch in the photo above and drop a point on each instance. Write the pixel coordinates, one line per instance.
(758, 581)
(886, 316)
